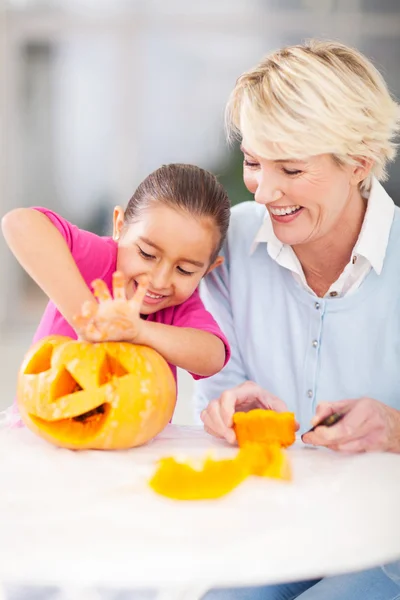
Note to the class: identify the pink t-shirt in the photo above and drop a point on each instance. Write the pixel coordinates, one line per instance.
(96, 258)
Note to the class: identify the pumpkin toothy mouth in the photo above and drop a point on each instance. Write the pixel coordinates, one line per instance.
(80, 427)
(100, 410)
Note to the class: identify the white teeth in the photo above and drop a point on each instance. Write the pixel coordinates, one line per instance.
(155, 296)
(284, 211)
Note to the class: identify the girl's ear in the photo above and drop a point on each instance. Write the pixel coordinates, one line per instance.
(217, 263)
(118, 222)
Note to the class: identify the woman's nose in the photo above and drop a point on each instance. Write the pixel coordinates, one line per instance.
(267, 192)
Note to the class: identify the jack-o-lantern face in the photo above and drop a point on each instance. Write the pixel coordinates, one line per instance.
(110, 395)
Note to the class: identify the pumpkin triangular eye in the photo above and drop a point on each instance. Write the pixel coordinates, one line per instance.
(108, 368)
(40, 361)
(115, 367)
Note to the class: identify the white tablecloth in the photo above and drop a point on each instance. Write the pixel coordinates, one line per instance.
(89, 519)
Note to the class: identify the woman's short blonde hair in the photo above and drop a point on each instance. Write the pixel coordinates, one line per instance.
(316, 98)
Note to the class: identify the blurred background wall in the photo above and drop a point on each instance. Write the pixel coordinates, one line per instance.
(97, 93)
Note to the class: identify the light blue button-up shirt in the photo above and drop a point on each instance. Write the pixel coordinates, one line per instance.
(302, 348)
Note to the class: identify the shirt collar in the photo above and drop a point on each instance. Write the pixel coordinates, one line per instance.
(374, 235)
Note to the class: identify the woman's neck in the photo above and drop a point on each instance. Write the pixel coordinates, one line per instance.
(324, 259)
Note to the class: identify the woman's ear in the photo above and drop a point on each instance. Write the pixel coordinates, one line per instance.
(362, 169)
(217, 263)
(118, 222)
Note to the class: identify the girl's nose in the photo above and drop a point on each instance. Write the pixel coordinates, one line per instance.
(160, 278)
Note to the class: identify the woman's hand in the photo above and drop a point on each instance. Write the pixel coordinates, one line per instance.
(368, 426)
(113, 318)
(218, 416)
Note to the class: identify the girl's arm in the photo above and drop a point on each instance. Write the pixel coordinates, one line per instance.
(197, 351)
(44, 254)
(191, 341)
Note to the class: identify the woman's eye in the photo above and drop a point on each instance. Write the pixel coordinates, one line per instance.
(291, 171)
(184, 272)
(249, 163)
(144, 254)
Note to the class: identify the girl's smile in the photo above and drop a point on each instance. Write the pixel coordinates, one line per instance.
(169, 246)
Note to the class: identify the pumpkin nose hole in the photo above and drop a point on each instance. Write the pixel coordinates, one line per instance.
(64, 384)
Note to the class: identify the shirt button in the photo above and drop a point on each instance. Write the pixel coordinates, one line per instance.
(333, 294)
(315, 343)
(317, 305)
(354, 260)
(309, 393)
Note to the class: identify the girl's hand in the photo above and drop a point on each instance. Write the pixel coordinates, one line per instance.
(113, 318)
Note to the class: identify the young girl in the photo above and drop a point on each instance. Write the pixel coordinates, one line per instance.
(165, 241)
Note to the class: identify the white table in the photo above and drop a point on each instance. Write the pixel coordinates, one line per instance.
(86, 520)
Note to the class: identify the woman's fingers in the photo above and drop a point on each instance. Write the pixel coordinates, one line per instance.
(218, 416)
(214, 423)
(325, 409)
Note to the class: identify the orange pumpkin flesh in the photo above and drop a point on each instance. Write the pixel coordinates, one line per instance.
(265, 427)
(266, 461)
(215, 478)
(110, 395)
(262, 435)
(183, 481)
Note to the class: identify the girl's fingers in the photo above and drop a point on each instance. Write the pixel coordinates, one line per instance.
(101, 291)
(138, 297)
(118, 282)
(95, 334)
(80, 322)
(89, 309)
(86, 329)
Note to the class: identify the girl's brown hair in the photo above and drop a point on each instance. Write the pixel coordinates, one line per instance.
(187, 188)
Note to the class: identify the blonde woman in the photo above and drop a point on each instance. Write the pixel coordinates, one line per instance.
(309, 293)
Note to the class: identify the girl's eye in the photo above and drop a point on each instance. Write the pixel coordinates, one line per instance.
(145, 255)
(184, 272)
(250, 164)
(291, 171)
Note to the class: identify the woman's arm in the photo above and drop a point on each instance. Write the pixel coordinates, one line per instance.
(44, 254)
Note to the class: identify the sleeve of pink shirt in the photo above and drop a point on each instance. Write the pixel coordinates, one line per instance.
(192, 313)
(84, 246)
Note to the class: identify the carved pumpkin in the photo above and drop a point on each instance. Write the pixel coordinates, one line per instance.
(110, 395)
(265, 427)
